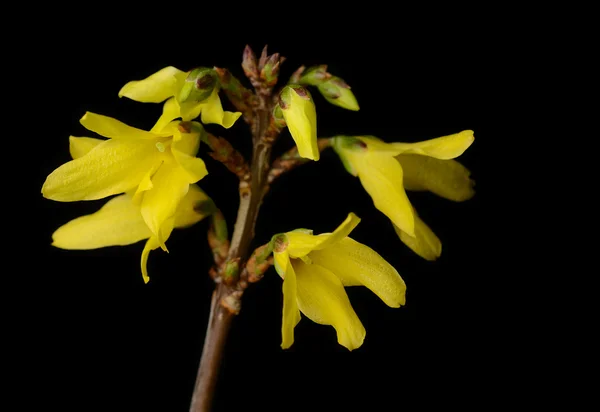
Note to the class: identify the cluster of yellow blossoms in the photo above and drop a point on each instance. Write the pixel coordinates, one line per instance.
(153, 171)
(154, 175)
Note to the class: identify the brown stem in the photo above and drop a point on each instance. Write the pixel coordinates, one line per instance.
(226, 299)
(224, 152)
(292, 159)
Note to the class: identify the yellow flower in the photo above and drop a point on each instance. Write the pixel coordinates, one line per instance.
(188, 95)
(119, 222)
(157, 167)
(301, 118)
(315, 269)
(386, 169)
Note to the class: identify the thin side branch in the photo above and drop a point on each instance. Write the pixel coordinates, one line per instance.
(258, 263)
(224, 152)
(292, 159)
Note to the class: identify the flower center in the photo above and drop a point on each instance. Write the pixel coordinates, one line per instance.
(163, 144)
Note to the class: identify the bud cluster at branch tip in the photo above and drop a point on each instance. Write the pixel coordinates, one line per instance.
(264, 73)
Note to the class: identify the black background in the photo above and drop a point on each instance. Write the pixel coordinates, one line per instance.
(102, 340)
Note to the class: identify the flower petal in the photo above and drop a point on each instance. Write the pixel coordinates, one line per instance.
(445, 147)
(445, 178)
(156, 87)
(381, 176)
(301, 243)
(150, 245)
(322, 298)
(114, 166)
(80, 146)
(114, 129)
(425, 243)
(146, 182)
(170, 112)
(184, 151)
(301, 120)
(187, 213)
(212, 112)
(290, 314)
(358, 265)
(160, 203)
(119, 222)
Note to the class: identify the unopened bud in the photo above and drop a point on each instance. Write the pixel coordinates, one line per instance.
(315, 75)
(249, 63)
(278, 117)
(198, 85)
(300, 115)
(232, 270)
(337, 92)
(270, 70)
(263, 58)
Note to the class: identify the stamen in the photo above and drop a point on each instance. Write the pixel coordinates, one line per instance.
(160, 147)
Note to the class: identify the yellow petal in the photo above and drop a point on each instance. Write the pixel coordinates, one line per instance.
(445, 178)
(425, 243)
(301, 120)
(358, 265)
(114, 129)
(322, 298)
(119, 222)
(381, 176)
(375, 144)
(170, 112)
(190, 110)
(114, 166)
(193, 167)
(150, 245)
(290, 314)
(212, 112)
(160, 203)
(80, 146)
(446, 147)
(146, 182)
(187, 214)
(184, 151)
(155, 88)
(301, 243)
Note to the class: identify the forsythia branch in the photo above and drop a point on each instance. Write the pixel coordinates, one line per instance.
(291, 159)
(224, 152)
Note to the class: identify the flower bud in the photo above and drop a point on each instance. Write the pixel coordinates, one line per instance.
(249, 63)
(269, 72)
(337, 92)
(198, 85)
(300, 116)
(315, 75)
(278, 117)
